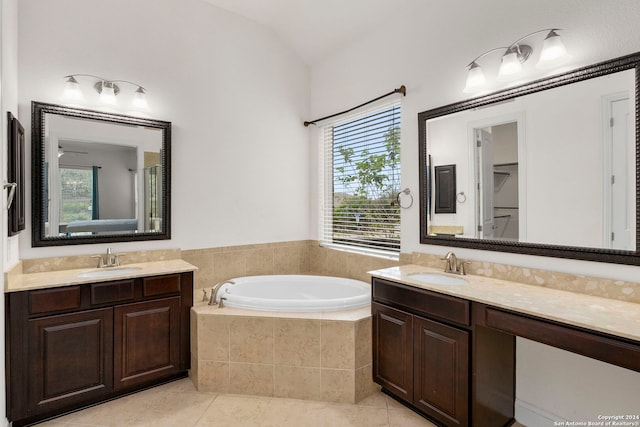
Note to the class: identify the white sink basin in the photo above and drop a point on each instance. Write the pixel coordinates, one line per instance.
(109, 272)
(438, 279)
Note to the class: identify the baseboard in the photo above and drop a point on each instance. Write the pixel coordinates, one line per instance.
(531, 416)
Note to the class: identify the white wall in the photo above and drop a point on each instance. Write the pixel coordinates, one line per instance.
(8, 102)
(427, 49)
(235, 95)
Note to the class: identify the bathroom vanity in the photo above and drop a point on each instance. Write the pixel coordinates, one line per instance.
(69, 346)
(447, 349)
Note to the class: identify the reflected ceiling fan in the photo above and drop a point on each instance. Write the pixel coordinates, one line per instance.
(62, 151)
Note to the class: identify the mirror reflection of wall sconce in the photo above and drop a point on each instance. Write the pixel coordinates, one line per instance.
(108, 90)
(553, 53)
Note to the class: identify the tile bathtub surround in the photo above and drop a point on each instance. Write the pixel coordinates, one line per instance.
(217, 264)
(311, 356)
(296, 257)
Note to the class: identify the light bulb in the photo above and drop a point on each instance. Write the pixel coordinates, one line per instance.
(553, 50)
(475, 78)
(72, 90)
(140, 99)
(108, 94)
(510, 64)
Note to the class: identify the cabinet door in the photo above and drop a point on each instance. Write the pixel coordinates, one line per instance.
(441, 364)
(70, 359)
(392, 350)
(146, 341)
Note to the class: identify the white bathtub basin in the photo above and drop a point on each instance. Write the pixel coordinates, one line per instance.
(438, 279)
(110, 272)
(296, 293)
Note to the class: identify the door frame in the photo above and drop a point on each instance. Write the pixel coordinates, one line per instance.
(519, 118)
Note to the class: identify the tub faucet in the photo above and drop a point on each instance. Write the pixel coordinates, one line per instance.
(216, 289)
(453, 265)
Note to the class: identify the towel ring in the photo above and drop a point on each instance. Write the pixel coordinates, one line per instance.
(12, 191)
(461, 197)
(408, 193)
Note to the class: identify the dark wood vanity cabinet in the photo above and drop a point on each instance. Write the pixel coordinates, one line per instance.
(147, 341)
(73, 346)
(426, 353)
(69, 359)
(423, 362)
(393, 350)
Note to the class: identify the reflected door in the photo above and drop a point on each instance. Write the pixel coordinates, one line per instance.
(484, 161)
(620, 236)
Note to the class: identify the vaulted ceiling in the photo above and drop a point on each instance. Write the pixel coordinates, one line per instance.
(317, 28)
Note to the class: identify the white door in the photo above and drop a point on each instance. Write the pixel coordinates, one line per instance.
(620, 235)
(484, 161)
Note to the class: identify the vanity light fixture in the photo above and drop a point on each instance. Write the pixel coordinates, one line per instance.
(108, 90)
(552, 53)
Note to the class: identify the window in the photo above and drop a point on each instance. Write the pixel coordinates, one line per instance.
(362, 180)
(77, 194)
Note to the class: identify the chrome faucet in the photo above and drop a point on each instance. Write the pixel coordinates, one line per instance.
(216, 289)
(453, 264)
(108, 260)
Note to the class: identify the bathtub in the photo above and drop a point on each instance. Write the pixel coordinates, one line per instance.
(301, 293)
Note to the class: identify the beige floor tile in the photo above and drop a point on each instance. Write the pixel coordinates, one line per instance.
(232, 411)
(293, 413)
(354, 416)
(54, 423)
(406, 418)
(179, 404)
(378, 399)
(393, 404)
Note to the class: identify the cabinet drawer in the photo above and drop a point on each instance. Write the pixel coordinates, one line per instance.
(431, 304)
(161, 285)
(110, 292)
(57, 299)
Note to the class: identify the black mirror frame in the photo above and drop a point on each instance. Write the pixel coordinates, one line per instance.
(629, 62)
(38, 111)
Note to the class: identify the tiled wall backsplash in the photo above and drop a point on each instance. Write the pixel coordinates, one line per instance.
(606, 288)
(308, 257)
(40, 265)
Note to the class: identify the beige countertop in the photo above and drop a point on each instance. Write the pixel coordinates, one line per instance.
(51, 279)
(610, 316)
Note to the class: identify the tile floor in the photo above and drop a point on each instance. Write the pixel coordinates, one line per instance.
(179, 404)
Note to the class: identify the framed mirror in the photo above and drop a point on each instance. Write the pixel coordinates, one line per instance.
(547, 168)
(98, 177)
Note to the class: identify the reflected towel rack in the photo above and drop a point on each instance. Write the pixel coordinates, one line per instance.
(12, 191)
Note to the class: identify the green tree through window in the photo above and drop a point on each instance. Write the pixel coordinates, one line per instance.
(77, 194)
(365, 155)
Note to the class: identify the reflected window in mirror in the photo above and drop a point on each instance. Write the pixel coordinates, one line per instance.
(547, 168)
(98, 177)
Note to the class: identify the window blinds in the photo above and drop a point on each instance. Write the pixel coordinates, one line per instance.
(362, 180)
